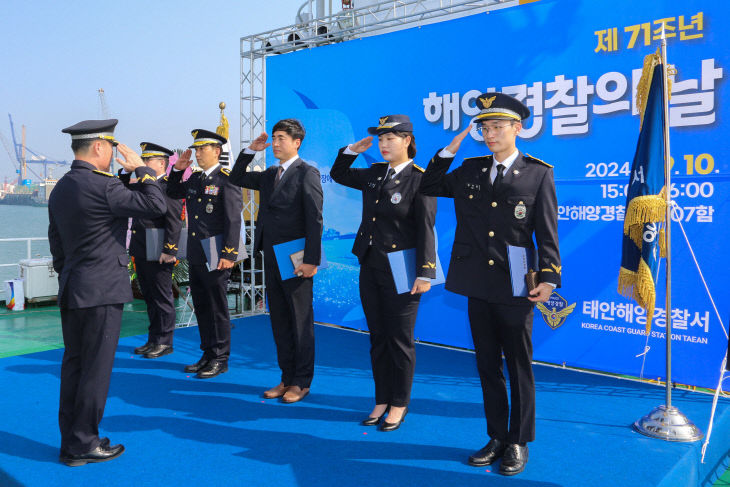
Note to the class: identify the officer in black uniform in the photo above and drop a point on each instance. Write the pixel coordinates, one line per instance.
(155, 276)
(214, 209)
(500, 199)
(88, 213)
(395, 216)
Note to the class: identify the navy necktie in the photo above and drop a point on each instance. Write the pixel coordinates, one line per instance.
(500, 176)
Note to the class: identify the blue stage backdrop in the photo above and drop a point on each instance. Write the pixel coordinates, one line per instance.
(576, 65)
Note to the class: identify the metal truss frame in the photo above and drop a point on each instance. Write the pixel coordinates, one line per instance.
(379, 18)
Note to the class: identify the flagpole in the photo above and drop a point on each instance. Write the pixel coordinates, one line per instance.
(668, 217)
(666, 422)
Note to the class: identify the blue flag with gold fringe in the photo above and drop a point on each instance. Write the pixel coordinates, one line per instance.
(644, 221)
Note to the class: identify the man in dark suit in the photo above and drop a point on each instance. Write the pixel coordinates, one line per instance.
(214, 208)
(500, 199)
(290, 208)
(88, 212)
(154, 274)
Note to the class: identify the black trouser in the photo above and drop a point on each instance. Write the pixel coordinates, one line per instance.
(211, 310)
(391, 318)
(90, 336)
(292, 322)
(155, 281)
(498, 328)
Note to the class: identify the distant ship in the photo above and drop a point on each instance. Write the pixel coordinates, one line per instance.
(31, 195)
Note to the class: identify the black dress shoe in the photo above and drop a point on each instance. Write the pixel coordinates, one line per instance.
(101, 453)
(514, 460)
(370, 421)
(102, 442)
(144, 348)
(487, 455)
(214, 367)
(158, 351)
(193, 368)
(386, 426)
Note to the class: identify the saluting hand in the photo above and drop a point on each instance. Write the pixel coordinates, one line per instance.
(259, 143)
(421, 286)
(184, 161)
(453, 147)
(131, 159)
(362, 145)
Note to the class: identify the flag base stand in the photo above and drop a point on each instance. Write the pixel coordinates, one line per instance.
(668, 423)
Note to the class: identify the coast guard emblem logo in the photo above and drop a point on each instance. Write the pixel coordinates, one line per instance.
(487, 101)
(382, 120)
(555, 310)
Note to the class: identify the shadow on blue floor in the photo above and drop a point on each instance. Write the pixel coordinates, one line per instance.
(179, 430)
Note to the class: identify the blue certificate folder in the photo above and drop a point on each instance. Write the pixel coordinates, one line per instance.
(521, 260)
(403, 267)
(294, 249)
(212, 247)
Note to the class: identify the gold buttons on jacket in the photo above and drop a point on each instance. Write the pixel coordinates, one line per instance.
(193, 234)
(494, 204)
(134, 231)
(373, 218)
(394, 245)
(471, 196)
(491, 262)
(196, 217)
(199, 200)
(376, 201)
(491, 234)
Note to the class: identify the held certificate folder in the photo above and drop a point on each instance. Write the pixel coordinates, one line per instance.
(213, 246)
(403, 267)
(521, 260)
(290, 254)
(155, 240)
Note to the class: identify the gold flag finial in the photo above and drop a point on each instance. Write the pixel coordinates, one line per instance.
(222, 128)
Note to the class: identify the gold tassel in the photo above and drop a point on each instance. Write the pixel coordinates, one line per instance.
(639, 286)
(223, 127)
(642, 89)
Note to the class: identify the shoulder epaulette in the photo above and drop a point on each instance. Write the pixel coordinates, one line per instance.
(478, 157)
(418, 168)
(528, 156)
(225, 171)
(164, 178)
(104, 173)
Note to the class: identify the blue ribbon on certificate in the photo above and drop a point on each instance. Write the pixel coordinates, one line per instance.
(521, 260)
(403, 267)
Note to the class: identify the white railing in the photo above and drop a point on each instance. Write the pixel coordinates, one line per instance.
(28, 241)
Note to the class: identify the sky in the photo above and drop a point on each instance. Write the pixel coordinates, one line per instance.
(164, 66)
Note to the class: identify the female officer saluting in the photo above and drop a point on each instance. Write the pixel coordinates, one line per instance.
(395, 216)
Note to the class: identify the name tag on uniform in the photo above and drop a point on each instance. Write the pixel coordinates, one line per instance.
(212, 190)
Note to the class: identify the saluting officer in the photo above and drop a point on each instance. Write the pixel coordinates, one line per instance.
(291, 208)
(88, 213)
(214, 208)
(155, 276)
(500, 199)
(395, 216)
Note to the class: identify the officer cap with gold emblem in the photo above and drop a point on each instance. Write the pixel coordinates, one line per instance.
(206, 137)
(392, 123)
(498, 106)
(153, 150)
(93, 129)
